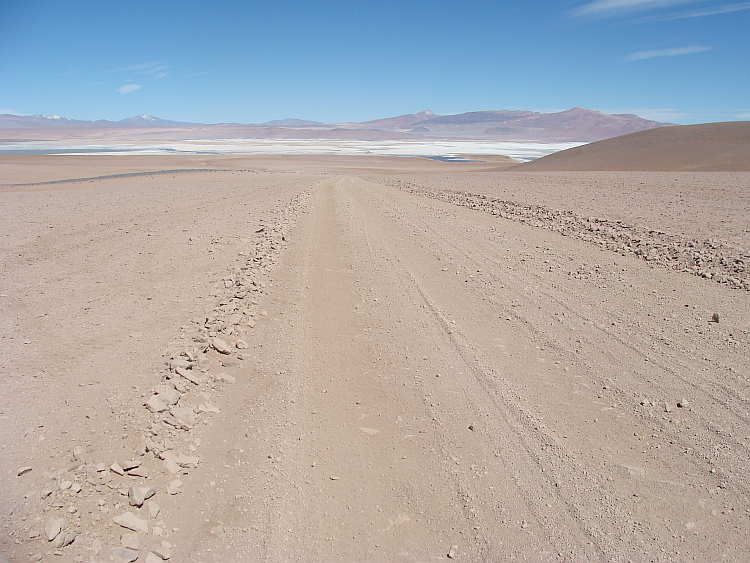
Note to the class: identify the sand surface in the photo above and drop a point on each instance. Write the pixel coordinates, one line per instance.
(425, 361)
(705, 147)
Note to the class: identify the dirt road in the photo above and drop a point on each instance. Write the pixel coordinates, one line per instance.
(425, 381)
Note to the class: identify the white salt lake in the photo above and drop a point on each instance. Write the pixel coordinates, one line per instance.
(449, 150)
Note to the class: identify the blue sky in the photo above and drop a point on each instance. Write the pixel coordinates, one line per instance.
(684, 61)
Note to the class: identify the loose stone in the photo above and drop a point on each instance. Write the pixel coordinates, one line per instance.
(130, 540)
(131, 522)
(124, 555)
(155, 404)
(220, 346)
(53, 528)
(175, 487)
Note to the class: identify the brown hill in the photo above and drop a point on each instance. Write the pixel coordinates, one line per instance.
(705, 147)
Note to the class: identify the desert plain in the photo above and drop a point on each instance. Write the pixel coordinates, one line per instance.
(217, 358)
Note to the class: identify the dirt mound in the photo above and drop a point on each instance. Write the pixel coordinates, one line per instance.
(705, 147)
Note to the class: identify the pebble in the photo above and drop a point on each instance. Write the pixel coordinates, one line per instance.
(180, 363)
(241, 344)
(220, 346)
(131, 522)
(452, 552)
(715, 318)
(175, 487)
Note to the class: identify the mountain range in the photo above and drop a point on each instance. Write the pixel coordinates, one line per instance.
(575, 124)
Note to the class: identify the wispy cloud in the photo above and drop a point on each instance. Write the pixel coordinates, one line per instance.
(144, 67)
(656, 53)
(607, 8)
(156, 69)
(128, 88)
(701, 13)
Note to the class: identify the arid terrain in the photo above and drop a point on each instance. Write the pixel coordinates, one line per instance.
(371, 359)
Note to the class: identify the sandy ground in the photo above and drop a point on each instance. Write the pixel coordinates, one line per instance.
(405, 378)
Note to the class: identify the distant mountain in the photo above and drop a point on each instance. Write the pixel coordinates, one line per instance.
(144, 120)
(705, 147)
(575, 124)
(393, 123)
(9, 121)
(292, 123)
(477, 117)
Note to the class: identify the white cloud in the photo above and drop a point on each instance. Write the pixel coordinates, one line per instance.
(656, 53)
(128, 88)
(605, 8)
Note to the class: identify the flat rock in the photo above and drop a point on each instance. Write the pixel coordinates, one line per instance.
(53, 528)
(64, 538)
(151, 557)
(138, 495)
(131, 522)
(130, 540)
(155, 404)
(188, 461)
(175, 487)
(24, 470)
(116, 468)
(184, 415)
(192, 377)
(124, 555)
(130, 465)
(153, 509)
(226, 378)
(220, 346)
(169, 396)
(241, 344)
(139, 472)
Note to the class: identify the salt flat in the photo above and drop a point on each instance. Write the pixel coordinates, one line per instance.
(521, 151)
(425, 359)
